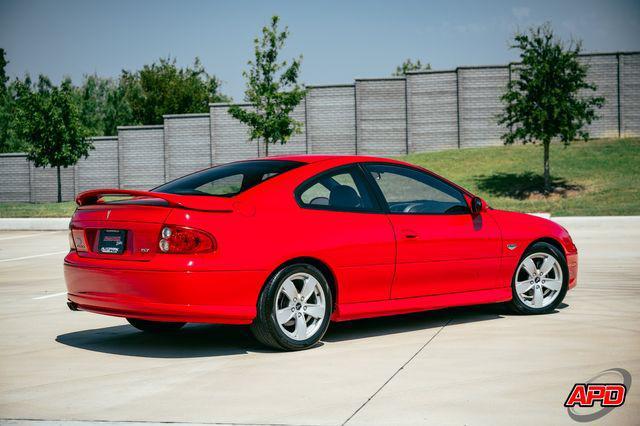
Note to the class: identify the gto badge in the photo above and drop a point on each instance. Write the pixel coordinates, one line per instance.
(512, 246)
(144, 250)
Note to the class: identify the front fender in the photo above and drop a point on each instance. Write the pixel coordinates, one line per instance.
(520, 230)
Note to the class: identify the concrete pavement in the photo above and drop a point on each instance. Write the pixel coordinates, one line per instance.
(34, 223)
(476, 365)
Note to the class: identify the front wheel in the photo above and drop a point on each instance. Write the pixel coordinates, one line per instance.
(294, 308)
(155, 326)
(540, 281)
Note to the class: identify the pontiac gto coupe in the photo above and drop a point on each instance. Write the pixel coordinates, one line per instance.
(288, 244)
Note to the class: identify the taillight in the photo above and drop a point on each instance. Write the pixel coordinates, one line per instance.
(72, 245)
(183, 240)
(77, 240)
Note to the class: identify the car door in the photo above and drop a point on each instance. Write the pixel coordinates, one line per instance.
(441, 246)
(345, 220)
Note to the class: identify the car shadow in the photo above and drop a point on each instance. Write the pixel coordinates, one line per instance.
(382, 326)
(192, 341)
(209, 340)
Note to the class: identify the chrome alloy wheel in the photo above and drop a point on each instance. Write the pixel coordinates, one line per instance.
(300, 306)
(538, 280)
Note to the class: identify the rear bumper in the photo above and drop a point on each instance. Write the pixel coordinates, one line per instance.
(225, 297)
(117, 306)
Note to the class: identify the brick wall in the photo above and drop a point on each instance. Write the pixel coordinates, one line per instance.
(331, 119)
(231, 137)
(44, 184)
(603, 71)
(479, 91)
(100, 168)
(14, 172)
(381, 117)
(630, 95)
(426, 111)
(432, 105)
(141, 156)
(187, 144)
(298, 142)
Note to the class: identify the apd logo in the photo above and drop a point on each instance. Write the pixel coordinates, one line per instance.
(604, 396)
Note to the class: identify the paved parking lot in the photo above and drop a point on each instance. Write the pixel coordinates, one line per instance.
(458, 366)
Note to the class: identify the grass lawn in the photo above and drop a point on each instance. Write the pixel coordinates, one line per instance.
(65, 209)
(595, 178)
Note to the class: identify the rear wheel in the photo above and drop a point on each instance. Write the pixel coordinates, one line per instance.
(155, 326)
(540, 281)
(294, 308)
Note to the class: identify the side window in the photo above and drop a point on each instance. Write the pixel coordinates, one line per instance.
(411, 191)
(343, 190)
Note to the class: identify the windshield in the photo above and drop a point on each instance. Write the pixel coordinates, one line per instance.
(229, 179)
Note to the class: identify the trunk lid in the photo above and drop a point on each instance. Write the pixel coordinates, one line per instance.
(141, 223)
(97, 220)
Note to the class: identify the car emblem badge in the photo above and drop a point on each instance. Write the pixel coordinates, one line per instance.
(512, 246)
(108, 214)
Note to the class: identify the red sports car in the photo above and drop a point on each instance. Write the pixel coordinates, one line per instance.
(288, 244)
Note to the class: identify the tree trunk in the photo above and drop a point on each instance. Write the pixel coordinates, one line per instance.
(547, 177)
(59, 186)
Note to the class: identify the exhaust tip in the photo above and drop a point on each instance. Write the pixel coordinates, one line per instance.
(72, 305)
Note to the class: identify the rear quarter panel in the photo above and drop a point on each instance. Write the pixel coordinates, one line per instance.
(267, 228)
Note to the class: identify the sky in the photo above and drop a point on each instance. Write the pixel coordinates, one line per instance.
(339, 40)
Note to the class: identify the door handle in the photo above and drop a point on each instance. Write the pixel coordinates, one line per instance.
(409, 234)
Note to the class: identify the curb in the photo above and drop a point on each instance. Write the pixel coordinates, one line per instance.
(603, 223)
(62, 223)
(541, 214)
(34, 224)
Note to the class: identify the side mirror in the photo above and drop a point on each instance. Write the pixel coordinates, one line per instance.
(476, 205)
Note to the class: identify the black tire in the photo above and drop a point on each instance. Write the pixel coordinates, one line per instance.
(265, 327)
(516, 305)
(155, 326)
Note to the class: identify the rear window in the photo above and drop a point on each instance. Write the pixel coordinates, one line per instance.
(229, 179)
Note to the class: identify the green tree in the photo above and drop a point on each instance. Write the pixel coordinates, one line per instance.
(163, 88)
(92, 100)
(117, 111)
(102, 105)
(47, 118)
(272, 88)
(9, 141)
(549, 98)
(5, 103)
(4, 79)
(409, 65)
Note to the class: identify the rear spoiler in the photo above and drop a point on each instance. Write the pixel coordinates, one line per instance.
(193, 202)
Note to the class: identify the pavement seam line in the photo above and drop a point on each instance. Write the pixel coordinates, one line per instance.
(396, 373)
(33, 256)
(48, 296)
(17, 237)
